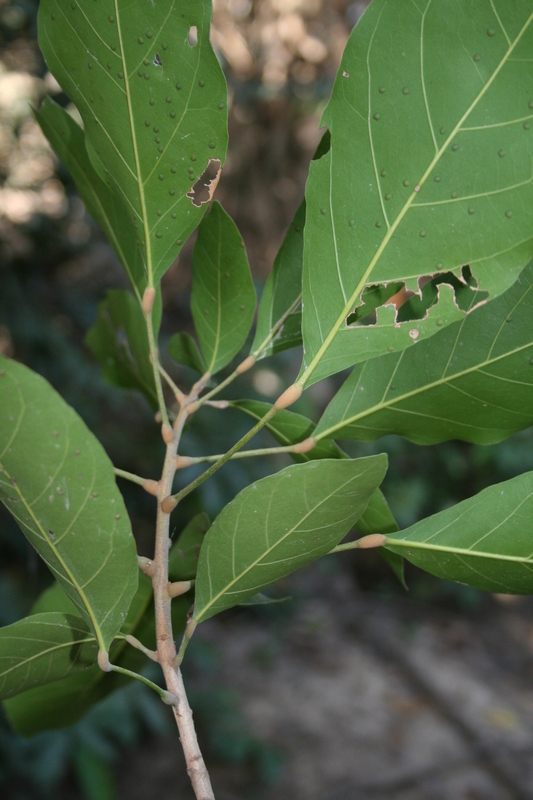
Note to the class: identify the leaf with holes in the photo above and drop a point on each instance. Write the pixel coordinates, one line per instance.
(288, 428)
(223, 295)
(279, 524)
(58, 483)
(119, 341)
(42, 649)
(279, 315)
(153, 101)
(472, 381)
(485, 541)
(429, 178)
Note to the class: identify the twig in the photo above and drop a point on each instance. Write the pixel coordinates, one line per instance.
(299, 447)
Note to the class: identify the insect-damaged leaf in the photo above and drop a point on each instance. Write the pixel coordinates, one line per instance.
(154, 107)
(430, 169)
(119, 341)
(58, 483)
(472, 381)
(279, 524)
(223, 295)
(485, 541)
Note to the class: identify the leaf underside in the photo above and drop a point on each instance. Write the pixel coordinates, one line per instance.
(43, 648)
(153, 105)
(485, 542)
(471, 381)
(279, 524)
(58, 483)
(430, 169)
(223, 296)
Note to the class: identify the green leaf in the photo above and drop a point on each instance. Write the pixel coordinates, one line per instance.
(183, 557)
(68, 140)
(378, 518)
(43, 648)
(153, 105)
(472, 381)
(58, 483)
(484, 542)
(223, 295)
(118, 339)
(430, 169)
(184, 350)
(64, 702)
(279, 524)
(288, 427)
(262, 599)
(282, 295)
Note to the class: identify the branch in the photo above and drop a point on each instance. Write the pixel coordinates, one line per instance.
(299, 447)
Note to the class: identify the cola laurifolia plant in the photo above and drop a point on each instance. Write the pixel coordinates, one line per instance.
(408, 262)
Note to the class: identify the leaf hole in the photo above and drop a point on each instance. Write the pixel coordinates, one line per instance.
(192, 36)
(204, 188)
(412, 305)
(157, 61)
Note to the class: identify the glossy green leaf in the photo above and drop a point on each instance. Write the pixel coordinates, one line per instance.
(43, 648)
(118, 339)
(64, 702)
(288, 428)
(378, 518)
(471, 381)
(279, 316)
(153, 105)
(58, 483)
(183, 557)
(184, 350)
(279, 524)
(430, 169)
(485, 542)
(223, 295)
(68, 140)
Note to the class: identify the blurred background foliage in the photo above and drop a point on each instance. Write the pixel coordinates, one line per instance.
(280, 58)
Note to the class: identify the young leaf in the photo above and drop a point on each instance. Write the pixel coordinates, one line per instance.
(184, 350)
(68, 140)
(58, 483)
(223, 295)
(378, 519)
(42, 649)
(64, 702)
(484, 542)
(119, 341)
(152, 103)
(288, 427)
(429, 169)
(183, 557)
(472, 381)
(279, 524)
(282, 295)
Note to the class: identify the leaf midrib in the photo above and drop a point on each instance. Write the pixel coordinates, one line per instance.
(142, 198)
(390, 232)
(457, 550)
